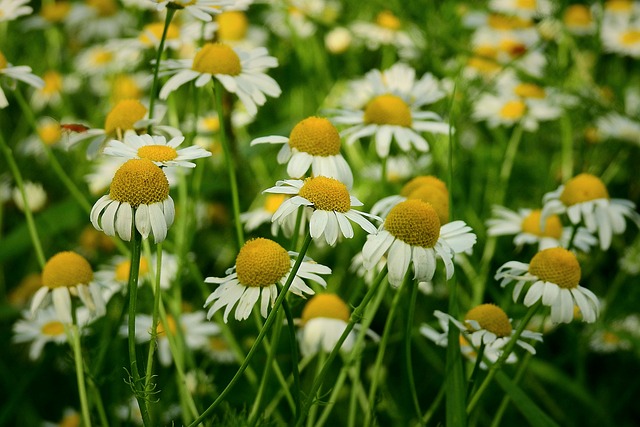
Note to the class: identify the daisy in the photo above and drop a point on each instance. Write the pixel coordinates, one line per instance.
(313, 143)
(98, 20)
(578, 20)
(330, 203)
(412, 234)
(55, 84)
(397, 168)
(200, 9)
(20, 72)
(614, 125)
(263, 214)
(68, 274)
(525, 225)
(616, 336)
(13, 9)
(620, 32)
(388, 30)
(240, 71)
(232, 27)
(299, 18)
(157, 149)
(70, 418)
(151, 35)
(36, 196)
(585, 199)
(555, 274)
(260, 266)
(522, 9)
(391, 108)
(43, 328)
(139, 192)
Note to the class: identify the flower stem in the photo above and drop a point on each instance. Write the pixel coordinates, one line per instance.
(224, 141)
(154, 84)
(566, 133)
(293, 348)
(156, 307)
(516, 379)
(74, 332)
(267, 325)
(31, 225)
(407, 345)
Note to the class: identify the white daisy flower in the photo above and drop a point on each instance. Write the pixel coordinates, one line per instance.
(260, 266)
(35, 194)
(578, 20)
(555, 274)
(151, 35)
(157, 149)
(621, 37)
(389, 30)
(525, 226)
(299, 18)
(12, 9)
(263, 214)
(412, 234)
(331, 203)
(392, 110)
(139, 192)
(68, 274)
(200, 9)
(313, 143)
(43, 328)
(19, 72)
(522, 9)
(585, 199)
(239, 71)
(233, 28)
(98, 20)
(617, 126)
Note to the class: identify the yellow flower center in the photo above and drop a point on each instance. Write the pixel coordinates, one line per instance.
(421, 180)
(218, 344)
(124, 87)
(325, 305)
(388, 110)
(556, 265)
(172, 325)
(101, 57)
(583, 188)
(262, 262)
(388, 20)
(414, 222)
(630, 37)
(123, 268)
(504, 22)
(157, 153)
(316, 136)
(552, 227)
(483, 64)
(3, 61)
(491, 318)
(529, 90)
(577, 15)
(52, 82)
(618, 6)
(513, 110)
(232, 25)
(526, 4)
(155, 29)
(210, 124)
(66, 269)
(139, 182)
(71, 420)
(326, 194)
(124, 115)
(610, 338)
(217, 58)
(53, 328)
(273, 201)
(436, 197)
(104, 7)
(514, 48)
(55, 11)
(50, 132)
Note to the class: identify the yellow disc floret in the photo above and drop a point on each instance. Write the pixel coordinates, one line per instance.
(217, 58)
(630, 37)
(414, 222)
(316, 136)
(52, 82)
(49, 132)
(273, 201)
(513, 110)
(491, 318)
(66, 269)
(436, 197)
(326, 194)
(583, 188)
(388, 110)
(418, 181)
(388, 20)
(53, 328)
(139, 182)
(3, 61)
(262, 262)
(104, 7)
(529, 90)
(325, 305)
(152, 33)
(124, 87)
(172, 326)
(552, 227)
(55, 11)
(122, 269)
(157, 153)
(232, 25)
(124, 115)
(556, 265)
(577, 16)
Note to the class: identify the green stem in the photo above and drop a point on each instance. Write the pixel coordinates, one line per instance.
(516, 379)
(566, 133)
(407, 345)
(454, 382)
(293, 348)
(74, 332)
(154, 84)
(31, 225)
(313, 411)
(471, 385)
(267, 325)
(154, 319)
(218, 91)
(97, 401)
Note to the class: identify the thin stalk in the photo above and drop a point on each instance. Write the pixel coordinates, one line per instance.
(407, 345)
(293, 348)
(281, 392)
(566, 133)
(154, 318)
(454, 382)
(218, 90)
(471, 384)
(154, 84)
(97, 401)
(313, 411)
(74, 333)
(505, 400)
(356, 386)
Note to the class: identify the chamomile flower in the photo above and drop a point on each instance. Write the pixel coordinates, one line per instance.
(68, 274)
(617, 126)
(525, 226)
(299, 18)
(313, 143)
(522, 9)
(555, 274)
(578, 20)
(16, 72)
(55, 84)
(388, 30)
(240, 71)
(585, 199)
(260, 266)
(199, 9)
(13, 9)
(151, 35)
(139, 192)
(412, 234)
(233, 28)
(391, 108)
(98, 20)
(35, 194)
(622, 35)
(330, 203)
(263, 214)
(157, 149)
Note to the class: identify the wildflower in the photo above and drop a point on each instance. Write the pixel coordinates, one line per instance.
(412, 234)
(584, 198)
(157, 149)
(338, 40)
(578, 20)
(98, 20)
(35, 194)
(240, 71)
(522, 9)
(13, 9)
(70, 418)
(140, 191)
(331, 203)
(263, 214)
(525, 225)
(313, 143)
(388, 30)
(21, 73)
(199, 9)
(615, 336)
(299, 18)
(617, 126)
(260, 265)
(151, 35)
(555, 274)
(389, 107)
(68, 274)
(620, 31)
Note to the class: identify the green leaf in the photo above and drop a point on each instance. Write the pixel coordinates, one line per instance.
(534, 415)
